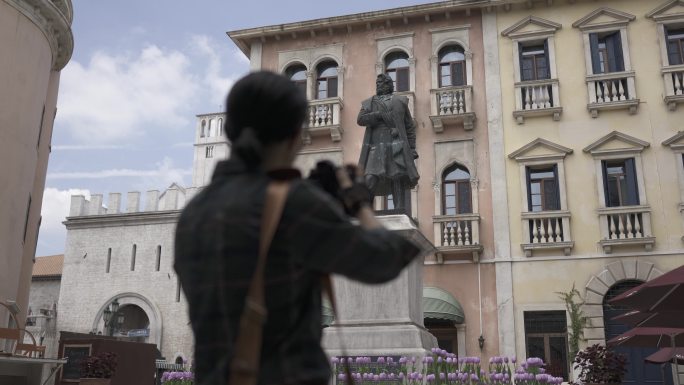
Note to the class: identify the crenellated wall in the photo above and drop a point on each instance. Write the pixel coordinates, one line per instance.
(173, 198)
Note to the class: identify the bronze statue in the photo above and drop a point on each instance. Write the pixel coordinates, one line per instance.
(389, 144)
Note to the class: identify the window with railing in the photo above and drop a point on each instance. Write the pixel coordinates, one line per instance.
(452, 66)
(326, 80)
(534, 61)
(542, 188)
(619, 178)
(606, 52)
(456, 194)
(397, 67)
(675, 45)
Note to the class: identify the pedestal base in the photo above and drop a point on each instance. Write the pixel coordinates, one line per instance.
(378, 340)
(384, 319)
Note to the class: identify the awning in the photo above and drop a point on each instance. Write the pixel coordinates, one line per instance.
(440, 304)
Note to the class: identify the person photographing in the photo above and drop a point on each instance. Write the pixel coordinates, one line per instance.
(219, 247)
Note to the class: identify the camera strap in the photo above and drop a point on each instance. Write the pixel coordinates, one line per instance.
(244, 366)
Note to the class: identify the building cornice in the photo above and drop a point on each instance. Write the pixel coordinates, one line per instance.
(128, 219)
(54, 18)
(243, 37)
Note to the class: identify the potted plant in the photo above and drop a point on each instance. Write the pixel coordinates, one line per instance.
(599, 365)
(98, 369)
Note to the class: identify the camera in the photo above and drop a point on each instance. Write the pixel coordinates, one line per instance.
(324, 175)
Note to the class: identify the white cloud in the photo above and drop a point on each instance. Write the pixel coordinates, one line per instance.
(217, 83)
(54, 211)
(116, 97)
(165, 171)
(86, 147)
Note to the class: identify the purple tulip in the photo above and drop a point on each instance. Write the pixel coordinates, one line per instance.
(442, 376)
(335, 360)
(513, 360)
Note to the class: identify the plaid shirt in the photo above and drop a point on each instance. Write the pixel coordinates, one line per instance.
(216, 251)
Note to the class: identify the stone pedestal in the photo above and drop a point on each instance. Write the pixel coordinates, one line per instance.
(384, 319)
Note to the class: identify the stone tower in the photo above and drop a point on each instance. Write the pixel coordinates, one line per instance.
(211, 146)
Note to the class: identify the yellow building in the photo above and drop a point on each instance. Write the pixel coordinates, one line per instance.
(592, 155)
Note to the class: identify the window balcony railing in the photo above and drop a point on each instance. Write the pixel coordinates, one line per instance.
(673, 78)
(546, 230)
(612, 91)
(323, 118)
(452, 105)
(537, 98)
(625, 226)
(457, 235)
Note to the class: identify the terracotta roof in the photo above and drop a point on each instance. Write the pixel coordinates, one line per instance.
(50, 266)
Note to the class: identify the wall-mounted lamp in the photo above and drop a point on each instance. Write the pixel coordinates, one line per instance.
(481, 341)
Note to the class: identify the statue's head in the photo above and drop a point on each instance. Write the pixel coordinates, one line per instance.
(384, 85)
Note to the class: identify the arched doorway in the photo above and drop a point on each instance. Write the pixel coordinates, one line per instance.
(136, 325)
(638, 372)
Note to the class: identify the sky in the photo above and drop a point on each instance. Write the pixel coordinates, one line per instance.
(140, 72)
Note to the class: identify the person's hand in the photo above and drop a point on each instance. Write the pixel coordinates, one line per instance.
(353, 193)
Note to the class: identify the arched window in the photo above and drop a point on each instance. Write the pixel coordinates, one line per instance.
(456, 195)
(220, 127)
(297, 74)
(452, 66)
(397, 67)
(203, 132)
(326, 80)
(212, 128)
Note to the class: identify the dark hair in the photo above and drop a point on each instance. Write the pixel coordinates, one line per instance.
(263, 108)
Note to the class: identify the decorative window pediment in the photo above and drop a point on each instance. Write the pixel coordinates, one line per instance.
(603, 18)
(531, 26)
(676, 142)
(540, 149)
(616, 143)
(671, 10)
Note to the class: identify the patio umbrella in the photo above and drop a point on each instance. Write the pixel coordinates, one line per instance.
(650, 337)
(667, 355)
(662, 293)
(664, 319)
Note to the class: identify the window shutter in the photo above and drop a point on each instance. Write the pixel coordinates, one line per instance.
(631, 182)
(459, 74)
(464, 206)
(605, 183)
(551, 198)
(546, 65)
(595, 61)
(529, 189)
(614, 48)
(332, 87)
(402, 79)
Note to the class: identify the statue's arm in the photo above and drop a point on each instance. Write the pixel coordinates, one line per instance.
(367, 117)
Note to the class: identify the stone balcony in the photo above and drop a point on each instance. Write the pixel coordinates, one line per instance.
(323, 118)
(457, 236)
(450, 105)
(673, 78)
(612, 91)
(546, 230)
(537, 98)
(625, 226)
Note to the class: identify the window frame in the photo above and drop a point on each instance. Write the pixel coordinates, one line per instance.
(387, 45)
(328, 80)
(404, 71)
(456, 183)
(618, 25)
(610, 55)
(631, 183)
(546, 336)
(451, 36)
(680, 42)
(529, 170)
(522, 45)
(452, 67)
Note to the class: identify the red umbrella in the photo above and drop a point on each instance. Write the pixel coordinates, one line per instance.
(666, 355)
(650, 337)
(662, 293)
(664, 319)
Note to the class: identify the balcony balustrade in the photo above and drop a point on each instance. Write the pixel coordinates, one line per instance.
(546, 230)
(537, 98)
(323, 118)
(612, 91)
(452, 105)
(457, 235)
(625, 226)
(673, 78)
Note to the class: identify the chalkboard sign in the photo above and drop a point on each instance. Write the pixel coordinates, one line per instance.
(75, 354)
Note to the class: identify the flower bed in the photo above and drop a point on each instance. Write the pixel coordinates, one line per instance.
(178, 378)
(441, 368)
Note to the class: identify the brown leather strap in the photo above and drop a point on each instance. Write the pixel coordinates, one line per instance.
(244, 367)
